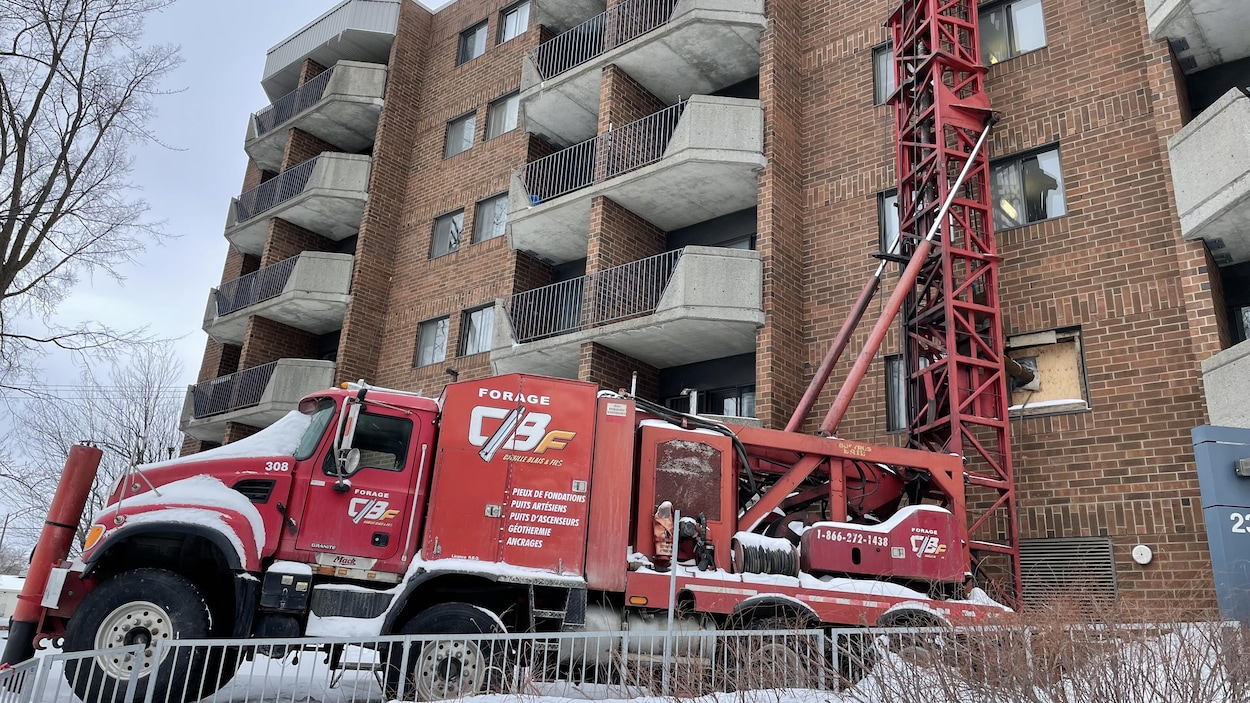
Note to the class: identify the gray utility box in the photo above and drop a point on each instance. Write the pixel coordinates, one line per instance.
(1224, 479)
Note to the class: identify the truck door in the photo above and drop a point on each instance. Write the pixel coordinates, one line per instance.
(368, 519)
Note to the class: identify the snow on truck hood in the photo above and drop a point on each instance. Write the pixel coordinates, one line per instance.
(279, 439)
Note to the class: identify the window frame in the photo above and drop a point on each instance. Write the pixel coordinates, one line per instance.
(1037, 341)
(1004, 6)
(466, 34)
(895, 405)
(882, 219)
(503, 21)
(469, 117)
(421, 329)
(462, 344)
(1018, 158)
(886, 47)
(490, 111)
(447, 216)
(498, 198)
(329, 466)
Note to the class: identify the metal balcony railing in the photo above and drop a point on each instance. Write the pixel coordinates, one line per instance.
(593, 300)
(604, 32)
(597, 159)
(241, 389)
(259, 285)
(275, 191)
(293, 103)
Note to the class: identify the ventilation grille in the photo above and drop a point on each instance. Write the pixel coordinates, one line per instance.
(1069, 568)
(256, 490)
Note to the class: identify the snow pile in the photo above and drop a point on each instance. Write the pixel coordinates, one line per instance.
(279, 439)
(195, 501)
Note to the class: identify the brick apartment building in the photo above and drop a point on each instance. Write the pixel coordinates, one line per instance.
(691, 190)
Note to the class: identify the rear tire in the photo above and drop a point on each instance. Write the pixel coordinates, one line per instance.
(450, 668)
(141, 607)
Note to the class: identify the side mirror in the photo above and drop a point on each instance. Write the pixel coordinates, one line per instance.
(348, 463)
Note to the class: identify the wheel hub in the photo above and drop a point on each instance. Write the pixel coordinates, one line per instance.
(449, 669)
(138, 623)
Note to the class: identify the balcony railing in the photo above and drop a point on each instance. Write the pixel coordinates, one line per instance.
(610, 154)
(604, 32)
(242, 389)
(275, 191)
(593, 300)
(292, 103)
(254, 287)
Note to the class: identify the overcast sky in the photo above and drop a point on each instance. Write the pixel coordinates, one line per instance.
(189, 185)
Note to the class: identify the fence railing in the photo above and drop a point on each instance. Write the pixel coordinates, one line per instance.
(615, 152)
(275, 191)
(601, 33)
(596, 299)
(1152, 664)
(241, 389)
(254, 287)
(293, 103)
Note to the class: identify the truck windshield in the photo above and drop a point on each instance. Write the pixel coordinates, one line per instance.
(321, 418)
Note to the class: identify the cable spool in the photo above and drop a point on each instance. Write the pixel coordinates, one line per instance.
(757, 554)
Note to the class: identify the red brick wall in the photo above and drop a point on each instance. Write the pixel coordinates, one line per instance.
(266, 341)
(237, 430)
(302, 146)
(309, 70)
(618, 236)
(286, 239)
(613, 371)
(254, 176)
(219, 360)
(623, 100)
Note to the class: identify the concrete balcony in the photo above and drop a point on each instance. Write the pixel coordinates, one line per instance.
(1225, 377)
(340, 106)
(674, 48)
(325, 194)
(353, 30)
(258, 396)
(683, 165)
(1211, 172)
(676, 308)
(1204, 33)
(307, 292)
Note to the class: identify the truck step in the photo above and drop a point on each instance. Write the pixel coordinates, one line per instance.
(548, 614)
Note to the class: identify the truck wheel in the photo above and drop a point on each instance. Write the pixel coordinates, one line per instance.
(782, 660)
(142, 607)
(918, 648)
(451, 668)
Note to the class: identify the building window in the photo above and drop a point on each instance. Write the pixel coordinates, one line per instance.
(431, 342)
(734, 401)
(472, 43)
(1027, 188)
(460, 135)
(895, 393)
(513, 21)
(882, 73)
(501, 115)
(475, 330)
(888, 222)
(447, 230)
(491, 218)
(1057, 360)
(1011, 28)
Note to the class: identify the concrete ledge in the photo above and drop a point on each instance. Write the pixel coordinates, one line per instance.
(710, 309)
(292, 379)
(710, 168)
(358, 30)
(331, 204)
(1211, 172)
(346, 116)
(314, 299)
(1217, 31)
(1225, 378)
(706, 45)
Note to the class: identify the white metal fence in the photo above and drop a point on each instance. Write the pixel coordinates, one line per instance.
(1188, 663)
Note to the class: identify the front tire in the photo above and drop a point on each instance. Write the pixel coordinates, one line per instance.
(142, 607)
(450, 668)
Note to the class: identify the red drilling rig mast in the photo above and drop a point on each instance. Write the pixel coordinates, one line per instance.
(953, 338)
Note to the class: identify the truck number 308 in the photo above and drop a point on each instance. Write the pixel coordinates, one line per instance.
(1239, 522)
(277, 466)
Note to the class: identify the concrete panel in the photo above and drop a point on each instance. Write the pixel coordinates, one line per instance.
(706, 45)
(314, 299)
(1211, 171)
(563, 15)
(292, 380)
(1217, 31)
(331, 204)
(1225, 378)
(709, 169)
(711, 308)
(346, 116)
(354, 30)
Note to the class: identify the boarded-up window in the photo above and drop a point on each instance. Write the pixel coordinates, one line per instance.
(1071, 569)
(689, 474)
(1058, 361)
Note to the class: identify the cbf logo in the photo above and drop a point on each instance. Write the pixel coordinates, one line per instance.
(370, 511)
(927, 546)
(520, 431)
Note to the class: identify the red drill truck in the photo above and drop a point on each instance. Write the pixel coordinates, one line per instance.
(516, 502)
